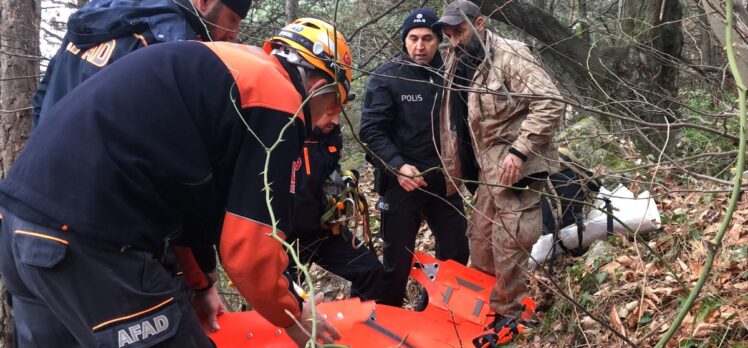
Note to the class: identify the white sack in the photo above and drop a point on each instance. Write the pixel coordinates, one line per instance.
(639, 214)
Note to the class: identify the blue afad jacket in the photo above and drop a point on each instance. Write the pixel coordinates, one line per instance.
(103, 31)
(137, 163)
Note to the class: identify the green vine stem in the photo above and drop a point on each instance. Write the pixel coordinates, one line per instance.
(714, 244)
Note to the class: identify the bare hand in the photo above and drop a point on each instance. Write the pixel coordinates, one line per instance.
(326, 333)
(511, 170)
(410, 184)
(208, 305)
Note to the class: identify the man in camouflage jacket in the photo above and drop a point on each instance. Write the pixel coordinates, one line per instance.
(499, 114)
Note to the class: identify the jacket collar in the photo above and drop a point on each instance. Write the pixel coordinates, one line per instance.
(488, 43)
(194, 18)
(404, 60)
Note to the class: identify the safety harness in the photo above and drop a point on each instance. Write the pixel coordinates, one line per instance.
(589, 184)
(346, 207)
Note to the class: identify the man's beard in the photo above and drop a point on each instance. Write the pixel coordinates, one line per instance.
(471, 49)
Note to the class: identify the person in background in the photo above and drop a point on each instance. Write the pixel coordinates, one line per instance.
(400, 126)
(177, 155)
(508, 130)
(103, 31)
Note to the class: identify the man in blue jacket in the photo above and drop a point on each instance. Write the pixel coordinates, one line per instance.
(400, 124)
(125, 167)
(103, 31)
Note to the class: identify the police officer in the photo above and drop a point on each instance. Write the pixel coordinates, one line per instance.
(399, 123)
(178, 153)
(331, 247)
(103, 31)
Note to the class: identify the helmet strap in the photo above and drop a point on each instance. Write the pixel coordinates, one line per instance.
(299, 80)
(307, 110)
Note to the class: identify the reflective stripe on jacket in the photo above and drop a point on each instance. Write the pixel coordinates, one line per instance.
(158, 146)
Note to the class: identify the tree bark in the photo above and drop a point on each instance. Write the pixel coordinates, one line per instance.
(292, 10)
(705, 37)
(716, 18)
(6, 320)
(19, 56)
(657, 39)
(573, 59)
(541, 4)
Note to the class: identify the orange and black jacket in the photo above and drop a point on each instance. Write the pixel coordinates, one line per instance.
(320, 157)
(169, 143)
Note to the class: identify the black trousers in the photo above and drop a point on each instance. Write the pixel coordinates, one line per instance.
(336, 254)
(402, 214)
(71, 291)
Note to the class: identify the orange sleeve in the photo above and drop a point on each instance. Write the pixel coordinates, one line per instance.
(193, 275)
(256, 263)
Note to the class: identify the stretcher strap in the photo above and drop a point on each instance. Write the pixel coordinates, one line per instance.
(609, 210)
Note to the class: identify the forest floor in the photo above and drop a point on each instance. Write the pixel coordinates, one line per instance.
(626, 285)
(629, 286)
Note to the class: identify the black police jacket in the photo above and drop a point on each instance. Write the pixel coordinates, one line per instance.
(400, 116)
(103, 31)
(320, 157)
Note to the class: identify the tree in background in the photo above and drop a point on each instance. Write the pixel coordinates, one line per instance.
(19, 66)
(292, 10)
(645, 68)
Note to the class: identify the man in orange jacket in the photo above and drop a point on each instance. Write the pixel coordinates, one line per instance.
(196, 150)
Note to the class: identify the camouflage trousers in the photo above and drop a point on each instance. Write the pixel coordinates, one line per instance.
(503, 228)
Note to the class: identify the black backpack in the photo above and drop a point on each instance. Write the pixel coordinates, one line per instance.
(573, 186)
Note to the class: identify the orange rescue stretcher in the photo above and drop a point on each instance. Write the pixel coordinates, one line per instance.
(457, 315)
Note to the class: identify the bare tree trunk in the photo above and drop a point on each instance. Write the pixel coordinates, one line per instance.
(705, 37)
(573, 59)
(655, 26)
(716, 18)
(552, 7)
(292, 10)
(647, 60)
(6, 320)
(19, 57)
